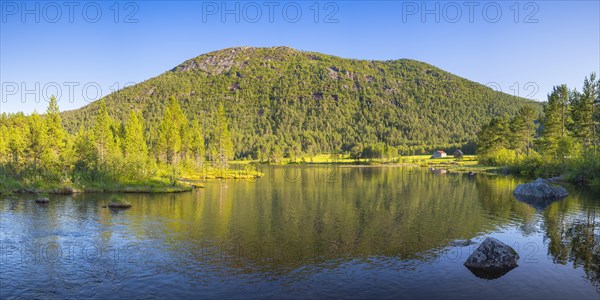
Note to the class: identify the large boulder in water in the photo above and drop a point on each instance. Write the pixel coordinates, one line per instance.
(541, 189)
(492, 259)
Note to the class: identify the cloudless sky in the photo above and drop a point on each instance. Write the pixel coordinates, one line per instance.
(519, 47)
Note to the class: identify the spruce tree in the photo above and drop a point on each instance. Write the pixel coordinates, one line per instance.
(222, 140)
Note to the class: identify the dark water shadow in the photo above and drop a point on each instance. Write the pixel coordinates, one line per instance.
(536, 202)
(489, 274)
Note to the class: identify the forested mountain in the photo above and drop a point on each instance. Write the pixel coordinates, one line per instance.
(296, 102)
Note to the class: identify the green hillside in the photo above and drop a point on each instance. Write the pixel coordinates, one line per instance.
(306, 103)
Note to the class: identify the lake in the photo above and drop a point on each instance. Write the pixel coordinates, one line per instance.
(303, 232)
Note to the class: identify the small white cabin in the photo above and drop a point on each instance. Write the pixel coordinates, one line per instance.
(439, 154)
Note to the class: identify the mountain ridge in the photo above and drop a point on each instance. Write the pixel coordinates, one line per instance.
(309, 102)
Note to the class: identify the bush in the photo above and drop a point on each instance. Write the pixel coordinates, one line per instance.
(584, 170)
(528, 165)
(500, 157)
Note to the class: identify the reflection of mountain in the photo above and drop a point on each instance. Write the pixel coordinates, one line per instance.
(300, 227)
(330, 213)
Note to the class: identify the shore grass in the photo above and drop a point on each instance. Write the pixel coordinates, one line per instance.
(241, 170)
(154, 186)
(235, 172)
(185, 183)
(467, 163)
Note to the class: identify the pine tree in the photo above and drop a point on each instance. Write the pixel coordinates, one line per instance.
(197, 143)
(523, 129)
(554, 124)
(85, 149)
(58, 136)
(4, 138)
(276, 154)
(135, 149)
(563, 101)
(185, 153)
(222, 140)
(18, 131)
(55, 129)
(170, 132)
(102, 134)
(37, 141)
(597, 117)
(583, 112)
(494, 136)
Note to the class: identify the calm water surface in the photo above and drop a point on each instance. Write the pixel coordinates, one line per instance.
(302, 232)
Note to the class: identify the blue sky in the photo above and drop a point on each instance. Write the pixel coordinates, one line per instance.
(81, 54)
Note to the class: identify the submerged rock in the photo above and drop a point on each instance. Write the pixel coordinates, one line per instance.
(119, 205)
(540, 188)
(438, 171)
(42, 200)
(492, 259)
(65, 191)
(557, 179)
(462, 243)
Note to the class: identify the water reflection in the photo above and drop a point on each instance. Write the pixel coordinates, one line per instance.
(291, 229)
(574, 235)
(489, 274)
(537, 203)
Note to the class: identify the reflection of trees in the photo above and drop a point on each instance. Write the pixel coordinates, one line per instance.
(348, 212)
(329, 215)
(496, 198)
(575, 237)
(571, 226)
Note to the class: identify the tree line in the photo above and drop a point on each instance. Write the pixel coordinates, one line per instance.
(39, 148)
(564, 139)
